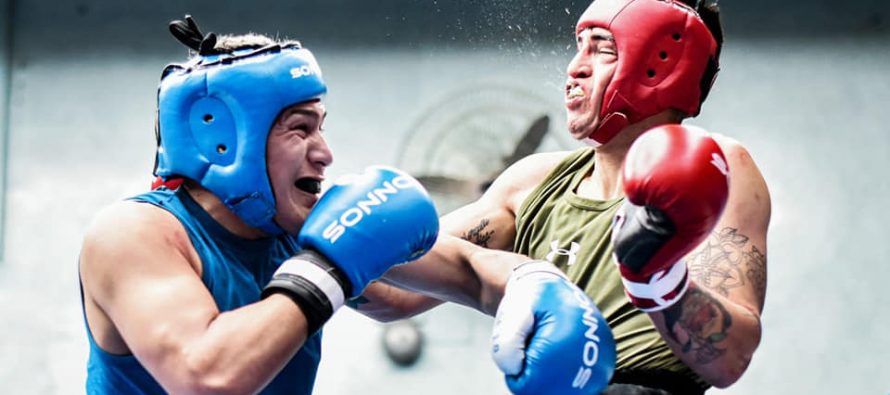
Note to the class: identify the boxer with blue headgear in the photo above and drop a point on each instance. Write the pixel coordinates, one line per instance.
(221, 285)
(214, 117)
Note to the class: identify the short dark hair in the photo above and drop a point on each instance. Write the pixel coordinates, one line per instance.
(229, 43)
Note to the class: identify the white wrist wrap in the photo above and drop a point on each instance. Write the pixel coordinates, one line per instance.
(316, 275)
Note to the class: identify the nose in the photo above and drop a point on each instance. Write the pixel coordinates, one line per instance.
(579, 67)
(320, 154)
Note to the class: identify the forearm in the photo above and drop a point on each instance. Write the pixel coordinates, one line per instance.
(711, 334)
(454, 271)
(238, 352)
(443, 274)
(493, 269)
(385, 302)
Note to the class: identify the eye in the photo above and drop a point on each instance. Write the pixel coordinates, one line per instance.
(607, 50)
(302, 129)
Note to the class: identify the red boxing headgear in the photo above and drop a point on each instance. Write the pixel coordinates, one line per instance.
(664, 52)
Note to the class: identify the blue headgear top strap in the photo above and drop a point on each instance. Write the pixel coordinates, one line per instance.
(214, 116)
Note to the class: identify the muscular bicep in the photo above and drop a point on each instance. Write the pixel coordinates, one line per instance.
(490, 222)
(484, 223)
(448, 272)
(732, 261)
(146, 286)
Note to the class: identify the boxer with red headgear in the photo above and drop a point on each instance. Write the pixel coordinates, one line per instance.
(662, 225)
(668, 61)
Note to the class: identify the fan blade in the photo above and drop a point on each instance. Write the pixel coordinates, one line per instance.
(448, 185)
(530, 141)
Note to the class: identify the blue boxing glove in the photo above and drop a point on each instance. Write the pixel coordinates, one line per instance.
(549, 337)
(362, 226)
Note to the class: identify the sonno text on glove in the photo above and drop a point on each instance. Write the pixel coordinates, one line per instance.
(362, 226)
(549, 337)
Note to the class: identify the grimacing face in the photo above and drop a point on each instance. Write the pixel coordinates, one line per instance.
(588, 74)
(296, 157)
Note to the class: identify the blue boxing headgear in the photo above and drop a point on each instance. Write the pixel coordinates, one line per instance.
(214, 117)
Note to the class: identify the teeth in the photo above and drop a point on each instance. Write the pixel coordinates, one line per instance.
(576, 92)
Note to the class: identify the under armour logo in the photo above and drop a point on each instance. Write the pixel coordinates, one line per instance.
(556, 251)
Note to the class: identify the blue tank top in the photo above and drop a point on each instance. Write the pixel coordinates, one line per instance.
(234, 270)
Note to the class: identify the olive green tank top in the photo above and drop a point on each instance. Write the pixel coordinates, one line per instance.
(574, 233)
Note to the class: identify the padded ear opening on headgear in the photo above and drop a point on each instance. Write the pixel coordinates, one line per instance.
(709, 11)
(213, 129)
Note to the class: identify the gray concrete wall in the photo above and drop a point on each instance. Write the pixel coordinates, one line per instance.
(5, 76)
(812, 111)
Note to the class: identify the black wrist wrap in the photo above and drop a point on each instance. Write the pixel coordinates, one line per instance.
(309, 296)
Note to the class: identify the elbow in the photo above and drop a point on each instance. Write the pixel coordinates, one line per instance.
(396, 310)
(208, 388)
(730, 372)
(724, 381)
(202, 376)
(734, 365)
(385, 316)
(729, 376)
(217, 386)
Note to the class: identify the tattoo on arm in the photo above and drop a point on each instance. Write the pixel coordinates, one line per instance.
(699, 323)
(720, 263)
(757, 272)
(726, 262)
(479, 235)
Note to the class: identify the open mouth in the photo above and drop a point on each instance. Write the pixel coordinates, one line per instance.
(575, 92)
(309, 185)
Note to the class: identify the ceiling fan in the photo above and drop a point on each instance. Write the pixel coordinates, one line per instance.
(474, 185)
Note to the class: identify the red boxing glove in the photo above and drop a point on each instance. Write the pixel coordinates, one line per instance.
(677, 181)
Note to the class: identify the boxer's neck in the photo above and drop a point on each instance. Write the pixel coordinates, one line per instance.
(220, 213)
(604, 182)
